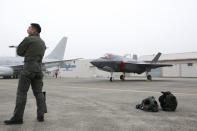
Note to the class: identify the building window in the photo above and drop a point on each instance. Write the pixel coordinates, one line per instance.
(189, 64)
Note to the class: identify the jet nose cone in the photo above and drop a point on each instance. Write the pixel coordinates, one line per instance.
(94, 62)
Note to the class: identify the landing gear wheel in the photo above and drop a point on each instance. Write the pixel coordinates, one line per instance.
(111, 79)
(122, 77)
(149, 77)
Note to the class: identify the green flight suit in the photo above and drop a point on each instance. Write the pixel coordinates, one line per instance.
(32, 48)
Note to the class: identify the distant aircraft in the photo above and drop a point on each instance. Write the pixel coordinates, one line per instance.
(114, 63)
(11, 66)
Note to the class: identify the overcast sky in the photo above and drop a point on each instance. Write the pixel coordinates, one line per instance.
(96, 27)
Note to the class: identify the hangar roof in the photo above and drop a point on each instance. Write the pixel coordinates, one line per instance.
(169, 57)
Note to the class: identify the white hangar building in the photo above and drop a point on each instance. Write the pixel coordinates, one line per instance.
(184, 65)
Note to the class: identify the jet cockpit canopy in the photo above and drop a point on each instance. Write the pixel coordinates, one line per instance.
(110, 56)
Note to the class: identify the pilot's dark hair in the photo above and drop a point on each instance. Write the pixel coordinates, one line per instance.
(36, 26)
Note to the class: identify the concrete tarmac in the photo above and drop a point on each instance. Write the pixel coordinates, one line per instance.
(92, 104)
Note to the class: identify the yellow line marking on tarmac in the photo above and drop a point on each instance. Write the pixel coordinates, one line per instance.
(134, 91)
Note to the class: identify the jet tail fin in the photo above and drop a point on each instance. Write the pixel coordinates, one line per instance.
(155, 60)
(59, 50)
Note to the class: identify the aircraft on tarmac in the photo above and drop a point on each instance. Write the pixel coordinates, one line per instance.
(10, 67)
(115, 63)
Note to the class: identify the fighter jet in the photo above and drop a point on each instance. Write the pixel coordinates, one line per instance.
(115, 63)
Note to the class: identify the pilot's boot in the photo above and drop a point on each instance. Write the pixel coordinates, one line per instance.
(40, 118)
(13, 121)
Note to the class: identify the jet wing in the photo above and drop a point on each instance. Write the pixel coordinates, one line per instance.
(148, 65)
(59, 61)
(151, 65)
(19, 66)
(44, 63)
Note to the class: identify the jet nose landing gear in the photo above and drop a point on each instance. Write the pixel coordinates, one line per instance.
(111, 78)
